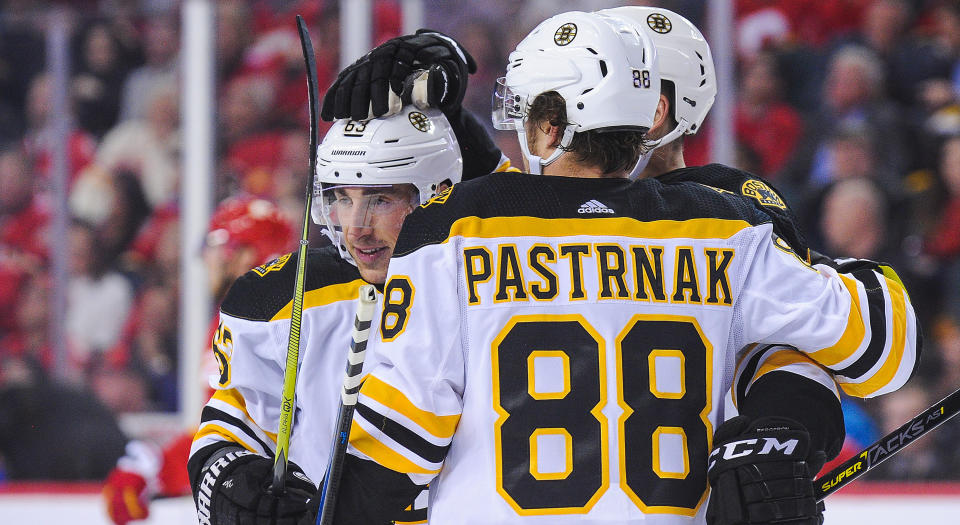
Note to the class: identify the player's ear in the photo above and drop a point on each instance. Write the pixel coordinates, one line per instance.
(660, 117)
(443, 186)
(554, 132)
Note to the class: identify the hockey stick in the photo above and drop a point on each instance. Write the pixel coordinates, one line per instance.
(288, 395)
(887, 446)
(348, 401)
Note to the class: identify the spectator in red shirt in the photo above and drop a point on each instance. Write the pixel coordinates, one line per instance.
(23, 213)
(27, 341)
(766, 124)
(39, 140)
(943, 240)
(813, 22)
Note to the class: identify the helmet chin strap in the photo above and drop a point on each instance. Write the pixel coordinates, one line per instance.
(537, 163)
(664, 140)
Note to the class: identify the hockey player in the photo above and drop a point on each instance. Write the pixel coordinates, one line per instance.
(370, 175)
(769, 378)
(501, 382)
(776, 377)
(243, 232)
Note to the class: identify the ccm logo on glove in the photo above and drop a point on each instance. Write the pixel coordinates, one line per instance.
(746, 447)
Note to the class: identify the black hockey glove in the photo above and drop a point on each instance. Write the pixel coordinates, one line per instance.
(480, 153)
(761, 471)
(371, 86)
(234, 490)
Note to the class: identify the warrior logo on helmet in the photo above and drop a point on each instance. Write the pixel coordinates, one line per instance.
(659, 23)
(763, 193)
(565, 34)
(419, 121)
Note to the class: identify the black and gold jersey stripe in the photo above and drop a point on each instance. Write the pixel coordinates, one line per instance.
(418, 444)
(225, 418)
(266, 292)
(499, 202)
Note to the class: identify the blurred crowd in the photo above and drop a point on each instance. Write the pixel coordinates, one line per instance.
(851, 108)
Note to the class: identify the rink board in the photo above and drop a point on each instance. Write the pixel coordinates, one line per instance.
(876, 504)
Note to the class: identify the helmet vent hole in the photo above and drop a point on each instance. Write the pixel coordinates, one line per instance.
(359, 175)
(590, 49)
(579, 105)
(703, 70)
(693, 103)
(391, 141)
(585, 91)
(603, 68)
(699, 55)
(336, 174)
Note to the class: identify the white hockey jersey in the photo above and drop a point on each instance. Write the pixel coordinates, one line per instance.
(251, 343)
(557, 350)
(759, 360)
(250, 346)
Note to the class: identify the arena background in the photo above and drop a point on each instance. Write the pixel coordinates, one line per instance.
(123, 124)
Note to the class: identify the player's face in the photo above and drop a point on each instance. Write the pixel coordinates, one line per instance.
(370, 218)
(225, 264)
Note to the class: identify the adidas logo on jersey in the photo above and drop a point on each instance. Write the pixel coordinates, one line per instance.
(594, 206)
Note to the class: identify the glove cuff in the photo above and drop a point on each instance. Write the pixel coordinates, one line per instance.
(222, 462)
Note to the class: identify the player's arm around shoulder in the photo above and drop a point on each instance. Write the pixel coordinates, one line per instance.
(765, 458)
(860, 325)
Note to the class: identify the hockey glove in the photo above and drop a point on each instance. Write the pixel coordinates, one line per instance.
(131, 484)
(761, 471)
(371, 86)
(234, 490)
(125, 495)
(480, 153)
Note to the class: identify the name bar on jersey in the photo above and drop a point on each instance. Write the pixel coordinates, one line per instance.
(636, 272)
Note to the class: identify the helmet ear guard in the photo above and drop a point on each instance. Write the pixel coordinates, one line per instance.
(414, 147)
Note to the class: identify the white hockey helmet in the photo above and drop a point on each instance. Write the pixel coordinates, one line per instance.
(605, 70)
(414, 147)
(684, 58)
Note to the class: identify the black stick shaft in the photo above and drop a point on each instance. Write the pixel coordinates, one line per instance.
(887, 446)
(348, 401)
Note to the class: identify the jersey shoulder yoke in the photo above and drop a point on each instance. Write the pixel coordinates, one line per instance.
(264, 292)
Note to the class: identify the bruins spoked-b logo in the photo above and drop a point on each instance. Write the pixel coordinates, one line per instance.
(659, 23)
(272, 266)
(565, 34)
(420, 121)
(763, 193)
(439, 198)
